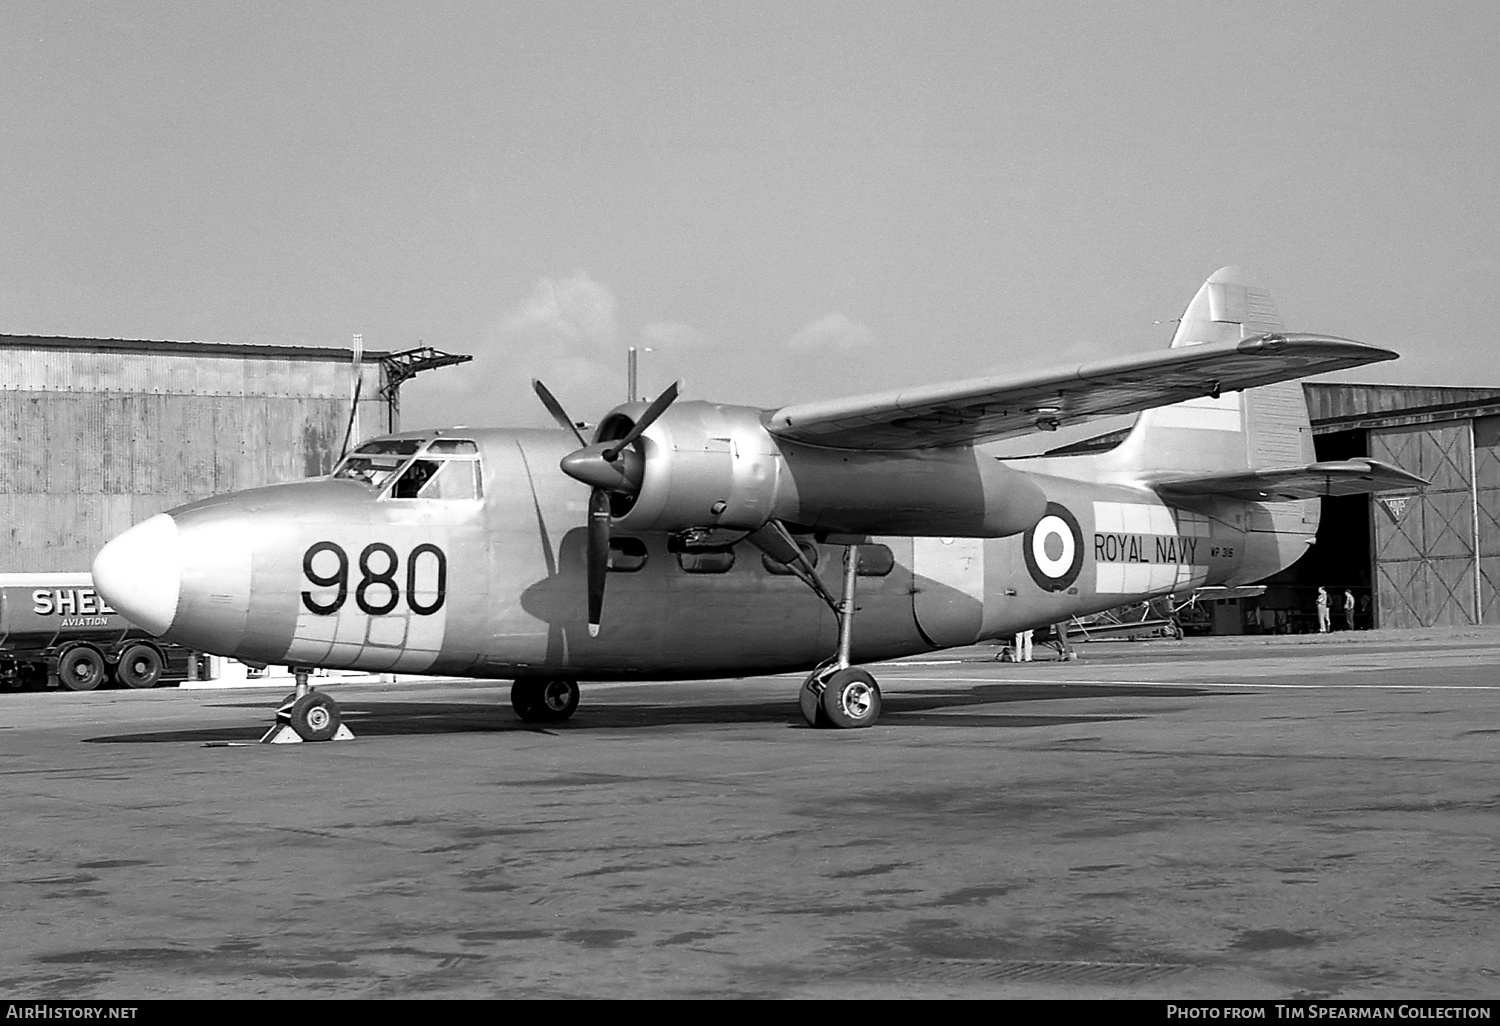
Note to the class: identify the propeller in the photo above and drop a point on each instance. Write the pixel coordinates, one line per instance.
(608, 467)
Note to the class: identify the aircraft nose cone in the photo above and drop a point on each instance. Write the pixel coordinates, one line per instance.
(140, 573)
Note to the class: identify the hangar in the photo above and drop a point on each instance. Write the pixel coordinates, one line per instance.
(99, 434)
(1411, 560)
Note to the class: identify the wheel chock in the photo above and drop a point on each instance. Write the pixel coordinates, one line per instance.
(283, 734)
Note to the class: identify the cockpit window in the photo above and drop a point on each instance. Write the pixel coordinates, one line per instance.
(439, 479)
(411, 482)
(374, 471)
(448, 468)
(376, 461)
(390, 447)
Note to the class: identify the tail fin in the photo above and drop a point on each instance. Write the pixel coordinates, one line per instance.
(1259, 429)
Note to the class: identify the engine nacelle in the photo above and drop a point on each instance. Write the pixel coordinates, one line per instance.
(707, 466)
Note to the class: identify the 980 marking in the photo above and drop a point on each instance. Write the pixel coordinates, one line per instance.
(378, 591)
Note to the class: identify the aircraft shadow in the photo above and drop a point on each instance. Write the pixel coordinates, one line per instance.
(947, 708)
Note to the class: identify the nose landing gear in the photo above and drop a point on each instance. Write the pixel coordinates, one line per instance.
(306, 715)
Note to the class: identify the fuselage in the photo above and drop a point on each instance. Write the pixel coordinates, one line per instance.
(487, 578)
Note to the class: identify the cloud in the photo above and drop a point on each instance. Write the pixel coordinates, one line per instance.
(576, 313)
(834, 333)
(671, 335)
(566, 332)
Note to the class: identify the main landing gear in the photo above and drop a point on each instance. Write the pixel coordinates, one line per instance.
(306, 715)
(544, 699)
(835, 694)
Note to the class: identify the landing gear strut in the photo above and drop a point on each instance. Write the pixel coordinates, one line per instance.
(306, 715)
(835, 694)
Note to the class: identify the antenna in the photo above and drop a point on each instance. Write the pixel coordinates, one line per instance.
(353, 434)
(630, 372)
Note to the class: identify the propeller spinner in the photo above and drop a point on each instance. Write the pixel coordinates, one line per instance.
(614, 466)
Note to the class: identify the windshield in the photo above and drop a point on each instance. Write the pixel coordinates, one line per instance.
(448, 468)
(375, 462)
(374, 471)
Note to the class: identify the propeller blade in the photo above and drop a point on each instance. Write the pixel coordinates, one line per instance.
(598, 555)
(555, 408)
(656, 409)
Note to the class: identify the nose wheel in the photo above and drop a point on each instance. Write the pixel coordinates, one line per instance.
(307, 715)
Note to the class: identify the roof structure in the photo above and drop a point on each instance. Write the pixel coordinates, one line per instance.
(227, 349)
(1340, 407)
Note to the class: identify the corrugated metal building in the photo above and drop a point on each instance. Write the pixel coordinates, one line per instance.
(99, 434)
(1428, 558)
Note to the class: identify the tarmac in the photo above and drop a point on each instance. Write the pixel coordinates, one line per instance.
(1300, 818)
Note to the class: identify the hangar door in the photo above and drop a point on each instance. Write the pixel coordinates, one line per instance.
(1437, 554)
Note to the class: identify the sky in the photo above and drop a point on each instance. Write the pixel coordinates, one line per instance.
(781, 201)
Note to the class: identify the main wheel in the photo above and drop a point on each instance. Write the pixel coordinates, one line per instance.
(544, 699)
(810, 700)
(80, 669)
(140, 666)
(851, 699)
(315, 717)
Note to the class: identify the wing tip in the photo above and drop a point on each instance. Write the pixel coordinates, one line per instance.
(1360, 353)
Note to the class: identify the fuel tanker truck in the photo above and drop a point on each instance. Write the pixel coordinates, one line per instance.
(56, 631)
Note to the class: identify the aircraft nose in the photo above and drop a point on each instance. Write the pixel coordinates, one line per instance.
(139, 573)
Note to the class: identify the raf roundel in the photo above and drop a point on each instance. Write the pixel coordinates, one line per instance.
(1054, 549)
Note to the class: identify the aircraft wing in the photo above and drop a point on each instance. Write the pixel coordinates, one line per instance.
(1334, 477)
(985, 409)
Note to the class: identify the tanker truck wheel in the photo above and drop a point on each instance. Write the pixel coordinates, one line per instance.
(80, 669)
(139, 667)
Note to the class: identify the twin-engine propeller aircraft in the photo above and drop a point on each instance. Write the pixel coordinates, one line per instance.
(693, 540)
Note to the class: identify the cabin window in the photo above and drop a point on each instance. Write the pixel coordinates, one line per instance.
(626, 555)
(875, 561)
(706, 561)
(454, 446)
(784, 570)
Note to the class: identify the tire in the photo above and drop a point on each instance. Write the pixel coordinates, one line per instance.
(80, 669)
(810, 700)
(140, 666)
(851, 700)
(544, 699)
(315, 717)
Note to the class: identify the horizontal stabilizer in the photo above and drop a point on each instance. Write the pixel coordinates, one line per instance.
(985, 409)
(1316, 480)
